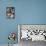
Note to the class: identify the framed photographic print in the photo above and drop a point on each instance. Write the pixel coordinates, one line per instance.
(10, 12)
(32, 32)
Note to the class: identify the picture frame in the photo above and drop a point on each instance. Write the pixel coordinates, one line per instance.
(10, 12)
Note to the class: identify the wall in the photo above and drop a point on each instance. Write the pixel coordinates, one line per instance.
(31, 11)
(27, 12)
(6, 25)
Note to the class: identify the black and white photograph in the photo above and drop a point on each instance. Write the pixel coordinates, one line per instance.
(31, 34)
(10, 12)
